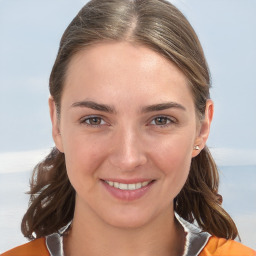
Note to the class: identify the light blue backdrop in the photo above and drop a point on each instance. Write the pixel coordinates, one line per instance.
(29, 35)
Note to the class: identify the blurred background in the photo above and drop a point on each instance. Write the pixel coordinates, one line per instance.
(30, 31)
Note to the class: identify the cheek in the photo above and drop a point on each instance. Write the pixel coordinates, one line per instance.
(173, 158)
(83, 157)
(174, 150)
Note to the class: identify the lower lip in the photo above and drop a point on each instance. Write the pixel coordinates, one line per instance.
(128, 195)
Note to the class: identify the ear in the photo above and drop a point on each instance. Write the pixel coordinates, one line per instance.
(56, 135)
(204, 128)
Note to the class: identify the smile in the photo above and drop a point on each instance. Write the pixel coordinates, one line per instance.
(123, 186)
(128, 190)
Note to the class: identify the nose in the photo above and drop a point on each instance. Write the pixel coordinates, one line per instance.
(127, 150)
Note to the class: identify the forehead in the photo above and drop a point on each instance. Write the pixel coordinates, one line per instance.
(124, 55)
(122, 69)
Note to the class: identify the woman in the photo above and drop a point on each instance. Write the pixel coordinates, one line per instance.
(131, 114)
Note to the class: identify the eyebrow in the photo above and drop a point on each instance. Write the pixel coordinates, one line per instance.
(95, 106)
(111, 110)
(162, 106)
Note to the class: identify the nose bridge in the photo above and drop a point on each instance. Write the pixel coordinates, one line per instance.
(127, 150)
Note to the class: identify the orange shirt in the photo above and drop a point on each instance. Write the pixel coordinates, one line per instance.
(36, 247)
(214, 247)
(222, 247)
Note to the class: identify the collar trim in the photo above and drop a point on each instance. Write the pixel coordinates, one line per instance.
(196, 239)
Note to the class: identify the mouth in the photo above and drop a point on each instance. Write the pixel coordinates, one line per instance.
(128, 190)
(125, 186)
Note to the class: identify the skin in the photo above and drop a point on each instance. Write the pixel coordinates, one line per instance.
(126, 144)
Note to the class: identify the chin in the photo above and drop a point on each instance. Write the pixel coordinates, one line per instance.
(128, 222)
(131, 218)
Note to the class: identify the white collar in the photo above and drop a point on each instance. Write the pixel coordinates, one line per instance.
(196, 239)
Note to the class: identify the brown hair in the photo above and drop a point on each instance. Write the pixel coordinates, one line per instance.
(160, 26)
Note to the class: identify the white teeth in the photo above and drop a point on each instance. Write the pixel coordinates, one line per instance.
(131, 186)
(138, 185)
(116, 185)
(145, 183)
(123, 186)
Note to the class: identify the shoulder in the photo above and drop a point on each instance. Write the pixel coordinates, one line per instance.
(222, 247)
(36, 247)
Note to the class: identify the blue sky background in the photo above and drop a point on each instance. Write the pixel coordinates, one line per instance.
(30, 34)
(30, 31)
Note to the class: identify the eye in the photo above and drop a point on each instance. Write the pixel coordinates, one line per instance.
(162, 121)
(93, 121)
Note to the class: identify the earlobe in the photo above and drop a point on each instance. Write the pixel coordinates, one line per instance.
(204, 130)
(56, 135)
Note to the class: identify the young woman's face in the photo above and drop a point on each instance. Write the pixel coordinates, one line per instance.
(128, 129)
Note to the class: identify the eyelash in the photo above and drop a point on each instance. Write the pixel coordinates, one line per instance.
(169, 121)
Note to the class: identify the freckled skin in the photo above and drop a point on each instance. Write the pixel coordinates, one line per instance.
(127, 144)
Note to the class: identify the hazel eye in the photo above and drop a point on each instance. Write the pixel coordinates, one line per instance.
(94, 121)
(161, 121)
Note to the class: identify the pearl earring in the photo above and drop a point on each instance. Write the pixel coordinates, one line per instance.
(196, 147)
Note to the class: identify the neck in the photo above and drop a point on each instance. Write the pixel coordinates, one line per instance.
(91, 236)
